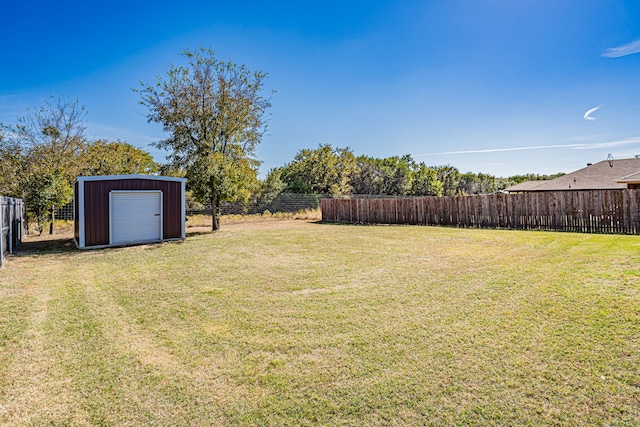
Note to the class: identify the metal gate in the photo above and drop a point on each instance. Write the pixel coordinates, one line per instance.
(12, 223)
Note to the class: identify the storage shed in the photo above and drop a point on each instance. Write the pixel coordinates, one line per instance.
(120, 210)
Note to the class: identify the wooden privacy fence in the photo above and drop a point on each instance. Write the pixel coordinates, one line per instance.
(594, 211)
(12, 225)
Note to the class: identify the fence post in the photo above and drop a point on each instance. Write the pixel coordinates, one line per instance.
(1, 233)
(9, 232)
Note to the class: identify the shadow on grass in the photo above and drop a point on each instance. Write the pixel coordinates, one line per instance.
(54, 245)
(198, 233)
(341, 223)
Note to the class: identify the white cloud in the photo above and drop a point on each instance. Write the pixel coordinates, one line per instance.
(587, 115)
(624, 50)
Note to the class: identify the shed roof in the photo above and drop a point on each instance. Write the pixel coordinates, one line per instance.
(115, 177)
(604, 175)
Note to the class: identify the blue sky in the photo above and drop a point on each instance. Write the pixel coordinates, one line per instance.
(493, 86)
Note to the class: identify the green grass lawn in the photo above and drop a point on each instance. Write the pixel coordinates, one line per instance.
(296, 323)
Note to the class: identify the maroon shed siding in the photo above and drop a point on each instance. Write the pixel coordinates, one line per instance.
(76, 213)
(96, 207)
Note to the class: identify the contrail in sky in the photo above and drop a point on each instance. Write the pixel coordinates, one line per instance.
(578, 146)
(498, 150)
(624, 50)
(587, 115)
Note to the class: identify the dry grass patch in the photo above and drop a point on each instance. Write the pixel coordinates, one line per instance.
(205, 220)
(298, 323)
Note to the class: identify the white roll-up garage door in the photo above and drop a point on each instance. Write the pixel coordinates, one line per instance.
(135, 217)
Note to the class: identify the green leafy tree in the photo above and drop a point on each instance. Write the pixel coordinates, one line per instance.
(368, 177)
(517, 179)
(44, 190)
(487, 184)
(273, 183)
(232, 177)
(425, 181)
(449, 176)
(102, 157)
(476, 183)
(215, 114)
(270, 187)
(398, 176)
(390, 176)
(325, 170)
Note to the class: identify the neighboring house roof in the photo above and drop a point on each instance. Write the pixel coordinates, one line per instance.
(605, 175)
(631, 179)
(524, 186)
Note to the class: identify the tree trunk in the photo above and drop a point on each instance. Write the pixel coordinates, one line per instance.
(52, 227)
(215, 207)
(216, 218)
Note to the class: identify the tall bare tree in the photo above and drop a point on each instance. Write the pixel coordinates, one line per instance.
(52, 139)
(215, 115)
(12, 164)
